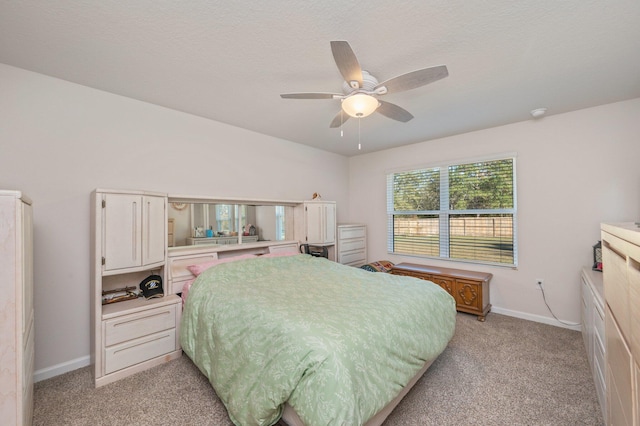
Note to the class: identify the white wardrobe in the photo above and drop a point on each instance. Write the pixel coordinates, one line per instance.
(320, 222)
(129, 243)
(621, 276)
(16, 309)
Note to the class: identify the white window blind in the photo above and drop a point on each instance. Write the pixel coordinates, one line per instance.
(455, 211)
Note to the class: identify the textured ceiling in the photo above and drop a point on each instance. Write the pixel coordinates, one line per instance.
(229, 61)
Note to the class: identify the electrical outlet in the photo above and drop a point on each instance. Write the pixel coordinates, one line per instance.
(540, 283)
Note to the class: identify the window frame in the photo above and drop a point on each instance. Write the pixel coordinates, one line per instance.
(445, 212)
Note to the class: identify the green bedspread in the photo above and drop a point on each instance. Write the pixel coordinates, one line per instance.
(337, 342)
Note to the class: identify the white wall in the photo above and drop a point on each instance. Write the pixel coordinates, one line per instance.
(574, 171)
(59, 141)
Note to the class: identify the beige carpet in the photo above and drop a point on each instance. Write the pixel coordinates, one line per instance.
(505, 371)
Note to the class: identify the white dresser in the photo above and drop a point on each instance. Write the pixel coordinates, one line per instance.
(593, 330)
(621, 269)
(16, 309)
(352, 244)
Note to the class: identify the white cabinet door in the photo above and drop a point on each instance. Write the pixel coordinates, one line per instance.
(636, 368)
(153, 235)
(28, 315)
(330, 221)
(133, 231)
(313, 221)
(16, 309)
(121, 232)
(320, 221)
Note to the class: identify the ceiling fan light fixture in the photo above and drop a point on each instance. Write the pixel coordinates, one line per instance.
(360, 105)
(538, 112)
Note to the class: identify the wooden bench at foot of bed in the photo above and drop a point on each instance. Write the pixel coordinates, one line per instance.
(470, 289)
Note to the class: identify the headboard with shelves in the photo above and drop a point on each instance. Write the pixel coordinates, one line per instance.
(180, 258)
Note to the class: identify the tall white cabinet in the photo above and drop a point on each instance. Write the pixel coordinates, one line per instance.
(129, 243)
(315, 224)
(320, 222)
(621, 269)
(16, 309)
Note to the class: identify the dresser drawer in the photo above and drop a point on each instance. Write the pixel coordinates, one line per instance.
(598, 323)
(351, 232)
(616, 290)
(619, 373)
(352, 257)
(633, 268)
(585, 291)
(285, 248)
(599, 379)
(135, 351)
(129, 327)
(599, 361)
(349, 245)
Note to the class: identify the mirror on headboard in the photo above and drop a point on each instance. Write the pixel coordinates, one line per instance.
(197, 222)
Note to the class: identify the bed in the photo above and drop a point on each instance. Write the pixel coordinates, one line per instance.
(311, 341)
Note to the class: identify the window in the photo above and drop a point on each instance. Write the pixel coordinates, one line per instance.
(224, 221)
(455, 211)
(280, 223)
(231, 217)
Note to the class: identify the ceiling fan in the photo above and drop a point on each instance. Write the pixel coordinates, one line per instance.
(361, 90)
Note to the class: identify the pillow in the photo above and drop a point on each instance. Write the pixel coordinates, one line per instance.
(201, 267)
(379, 266)
(185, 290)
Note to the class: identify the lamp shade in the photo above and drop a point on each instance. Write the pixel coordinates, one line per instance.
(359, 105)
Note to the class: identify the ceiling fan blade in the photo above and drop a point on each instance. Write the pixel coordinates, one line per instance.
(414, 79)
(347, 62)
(310, 95)
(393, 111)
(339, 119)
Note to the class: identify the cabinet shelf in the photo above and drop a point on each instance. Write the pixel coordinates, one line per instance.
(130, 306)
(146, 268)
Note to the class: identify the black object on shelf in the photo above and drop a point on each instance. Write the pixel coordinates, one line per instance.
(597, 257)
(316, 251)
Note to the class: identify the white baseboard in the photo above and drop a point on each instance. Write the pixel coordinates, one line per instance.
(537, 318)
(65, 367)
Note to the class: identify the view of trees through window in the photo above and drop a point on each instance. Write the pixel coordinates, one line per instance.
(459, 211)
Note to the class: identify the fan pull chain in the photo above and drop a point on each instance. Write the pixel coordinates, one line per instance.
(359, 131)
(341, 122)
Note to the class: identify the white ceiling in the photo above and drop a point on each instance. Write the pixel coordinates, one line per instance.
(230, 60)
